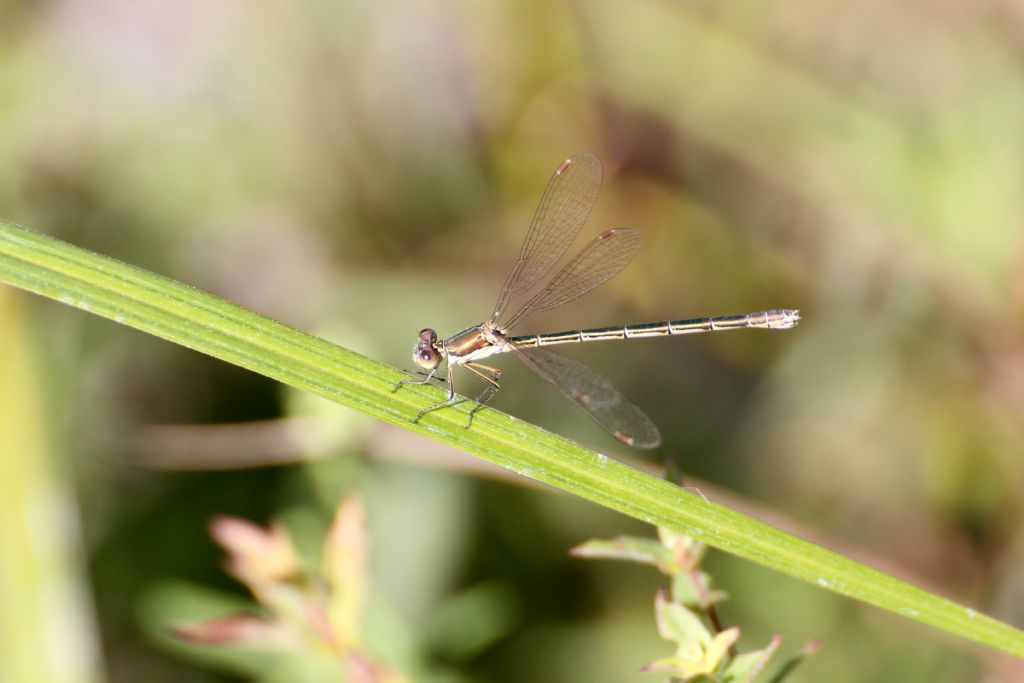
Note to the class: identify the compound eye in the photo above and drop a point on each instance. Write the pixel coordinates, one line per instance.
(426, 357)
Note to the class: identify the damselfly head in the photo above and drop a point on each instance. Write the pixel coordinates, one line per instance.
(426, 354)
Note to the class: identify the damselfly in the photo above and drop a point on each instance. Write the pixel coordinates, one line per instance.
(563, 209)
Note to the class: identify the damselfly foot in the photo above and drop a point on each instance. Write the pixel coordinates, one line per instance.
(453, 401)
(419, 377)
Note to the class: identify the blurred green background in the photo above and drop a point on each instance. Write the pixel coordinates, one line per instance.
(364, 169)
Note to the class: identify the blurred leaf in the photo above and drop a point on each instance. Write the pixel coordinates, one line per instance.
(256, 556)
(344, 567)
(238, 629)
(184, 315)
(745, 667)
(793, 662)
(678, 624)
(693, 589)
(632, 548)
(474, 619)
(686, 550)
(698, 652)
(676, 555)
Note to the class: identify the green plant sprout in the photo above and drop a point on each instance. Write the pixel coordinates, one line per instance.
(310, 619)
(688, 616)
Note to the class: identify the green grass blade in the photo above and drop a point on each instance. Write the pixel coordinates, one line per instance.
(42, 592)
(203, 322)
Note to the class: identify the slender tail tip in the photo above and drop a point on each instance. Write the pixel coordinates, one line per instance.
(783, 319)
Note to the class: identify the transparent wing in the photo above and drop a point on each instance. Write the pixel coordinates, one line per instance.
(562, 211)
(598, 262)
(596, 395)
